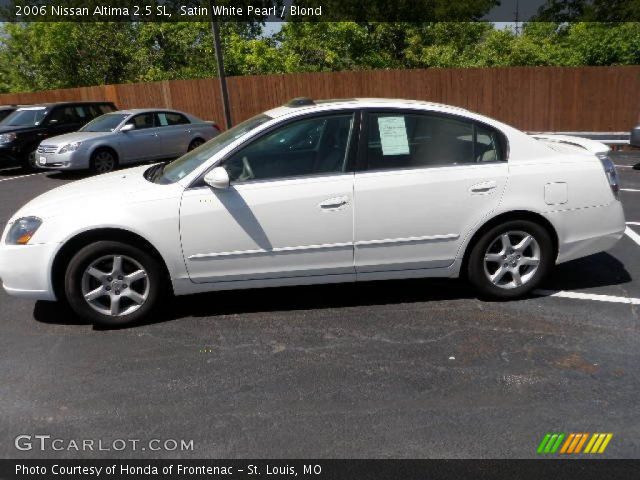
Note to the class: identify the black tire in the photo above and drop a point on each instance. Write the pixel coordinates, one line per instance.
(103, 160)
(154, 283)
(477, 271)
(195, 143)
(28, 162)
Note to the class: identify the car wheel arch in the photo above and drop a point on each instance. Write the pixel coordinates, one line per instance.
(72, 245)
(110, 148)
(502, 218)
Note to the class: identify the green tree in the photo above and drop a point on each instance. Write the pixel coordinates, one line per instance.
(47, 55)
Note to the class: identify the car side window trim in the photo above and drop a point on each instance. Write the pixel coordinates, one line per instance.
(352, 152)
(369, 113)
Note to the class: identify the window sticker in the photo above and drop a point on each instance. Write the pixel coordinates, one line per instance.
(393, 136)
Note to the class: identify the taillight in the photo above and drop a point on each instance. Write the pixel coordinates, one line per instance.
(612, 175)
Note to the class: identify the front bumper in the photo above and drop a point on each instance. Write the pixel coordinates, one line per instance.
(25, 270)
(77, 160)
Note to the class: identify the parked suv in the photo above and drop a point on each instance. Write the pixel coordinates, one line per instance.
(22, 130)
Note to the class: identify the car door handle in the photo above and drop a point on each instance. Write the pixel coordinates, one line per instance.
(484, 187)
(334, 203)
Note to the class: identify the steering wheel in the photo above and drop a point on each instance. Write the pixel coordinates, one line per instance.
(247, 172)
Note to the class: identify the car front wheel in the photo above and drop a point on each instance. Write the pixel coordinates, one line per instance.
(511, 259)
(113, 283)
(195, 143)
(103, 161)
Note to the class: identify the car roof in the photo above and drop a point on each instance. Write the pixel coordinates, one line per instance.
(132, 111)
(56, 104)
(306, 104)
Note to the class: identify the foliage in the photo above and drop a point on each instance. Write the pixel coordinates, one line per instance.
(39, 56)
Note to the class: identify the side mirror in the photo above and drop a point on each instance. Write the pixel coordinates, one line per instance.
(217, 178)
(127, 127)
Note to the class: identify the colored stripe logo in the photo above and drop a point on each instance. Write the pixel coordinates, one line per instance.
(573, 443)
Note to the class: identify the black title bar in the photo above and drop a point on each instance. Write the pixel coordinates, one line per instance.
(319, 469)
(316, 10)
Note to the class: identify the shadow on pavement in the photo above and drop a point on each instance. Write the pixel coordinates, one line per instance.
(56, 313)
(599, 270)
(70, 175)
(311, 297)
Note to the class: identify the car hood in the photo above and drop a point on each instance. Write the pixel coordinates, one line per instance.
(117, 188)
(67, 138)
(17, 128)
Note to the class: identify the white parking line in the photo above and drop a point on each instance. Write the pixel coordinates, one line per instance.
(593, 296)
(632, 235)
(587, 296)
(22, 176)
(625, 166)
(630, 190)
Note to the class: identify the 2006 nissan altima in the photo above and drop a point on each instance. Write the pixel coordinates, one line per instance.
(318, 192)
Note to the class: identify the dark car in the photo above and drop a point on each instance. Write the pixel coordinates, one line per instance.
(5, 110)
(22, 130)
(635, 137)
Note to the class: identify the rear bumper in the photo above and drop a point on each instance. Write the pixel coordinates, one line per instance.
(25, 270)
(586, 231)
(635, 137)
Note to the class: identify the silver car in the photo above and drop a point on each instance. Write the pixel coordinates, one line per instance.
(125, 137)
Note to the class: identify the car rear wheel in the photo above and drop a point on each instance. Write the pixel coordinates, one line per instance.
(112, 283)
(195, 143)
(511, 259)
(103, 161)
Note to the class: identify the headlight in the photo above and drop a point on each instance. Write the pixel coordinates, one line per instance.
(71, 147)
(7, 137)
(22, 230)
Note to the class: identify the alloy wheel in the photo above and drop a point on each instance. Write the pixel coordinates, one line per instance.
(104, 162)
(115, 285)
(512, 259)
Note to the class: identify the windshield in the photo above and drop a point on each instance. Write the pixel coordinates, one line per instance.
(25, 118)
(186, 164)
(105, 123)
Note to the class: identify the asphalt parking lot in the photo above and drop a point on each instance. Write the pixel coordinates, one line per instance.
(403, 369)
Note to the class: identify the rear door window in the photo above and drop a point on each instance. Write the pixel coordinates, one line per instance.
(415, 140)
(168, 119)
(64, 116)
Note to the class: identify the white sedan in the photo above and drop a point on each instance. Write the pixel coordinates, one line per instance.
(319, 192)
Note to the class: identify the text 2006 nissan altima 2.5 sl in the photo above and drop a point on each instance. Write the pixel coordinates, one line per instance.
(319, 192)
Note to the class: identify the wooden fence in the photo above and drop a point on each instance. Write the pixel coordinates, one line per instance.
(530, 98)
